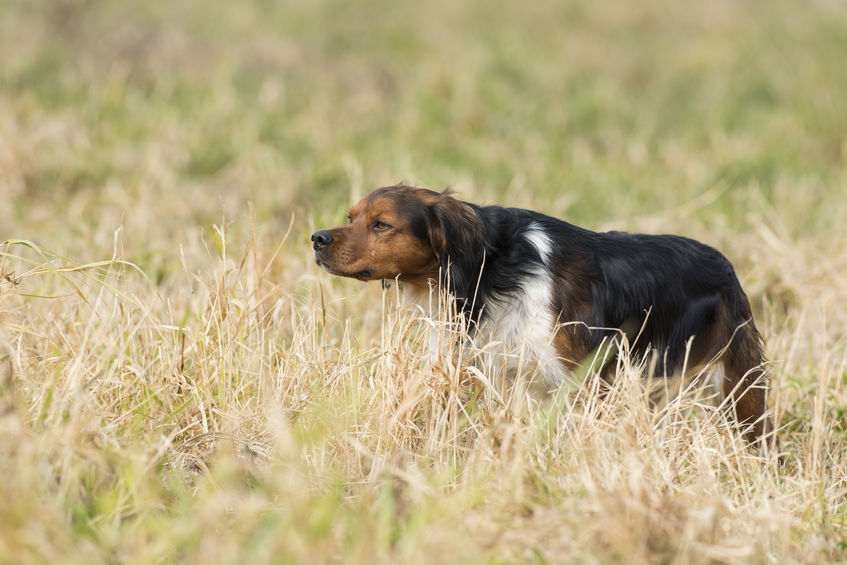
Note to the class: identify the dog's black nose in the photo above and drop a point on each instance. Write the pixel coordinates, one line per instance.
(321, 239)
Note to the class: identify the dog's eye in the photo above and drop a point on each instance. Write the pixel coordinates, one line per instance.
(349, 219)
(380, 226)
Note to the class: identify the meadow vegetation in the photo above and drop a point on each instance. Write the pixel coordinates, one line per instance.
(180, 383)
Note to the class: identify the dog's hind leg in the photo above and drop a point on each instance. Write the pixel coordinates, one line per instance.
(745, 385)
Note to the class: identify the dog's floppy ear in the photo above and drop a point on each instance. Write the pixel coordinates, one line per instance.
(457, 236)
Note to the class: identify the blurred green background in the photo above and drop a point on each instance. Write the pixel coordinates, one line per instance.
(162, 116)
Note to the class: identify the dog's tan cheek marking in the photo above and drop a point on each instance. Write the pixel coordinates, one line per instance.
(374, 252)
(413, 255)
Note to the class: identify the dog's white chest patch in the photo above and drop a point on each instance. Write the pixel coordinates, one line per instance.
(518, 329)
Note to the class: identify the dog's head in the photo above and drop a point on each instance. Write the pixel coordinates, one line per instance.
(401, 232)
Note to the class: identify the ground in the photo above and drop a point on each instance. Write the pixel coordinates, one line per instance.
(180, 383)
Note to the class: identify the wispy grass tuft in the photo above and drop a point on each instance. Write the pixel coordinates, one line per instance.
(180, 382)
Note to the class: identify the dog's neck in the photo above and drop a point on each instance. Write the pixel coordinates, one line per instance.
(426, 295)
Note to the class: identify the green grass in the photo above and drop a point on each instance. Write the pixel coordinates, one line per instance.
(179, 381)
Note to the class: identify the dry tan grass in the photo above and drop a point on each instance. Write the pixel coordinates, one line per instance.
(227, 415)
(180, 383)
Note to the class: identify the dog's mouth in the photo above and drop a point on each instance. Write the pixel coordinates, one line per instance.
(322, 263)
(363, 275)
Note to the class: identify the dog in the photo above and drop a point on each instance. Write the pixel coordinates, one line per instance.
(522, 277)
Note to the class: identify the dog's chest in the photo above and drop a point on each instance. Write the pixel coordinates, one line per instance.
(517, 332)
(517, 327)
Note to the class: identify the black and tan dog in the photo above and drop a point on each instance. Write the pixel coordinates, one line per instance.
(559, 289)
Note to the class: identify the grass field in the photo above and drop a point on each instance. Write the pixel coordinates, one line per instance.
(180, 383)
